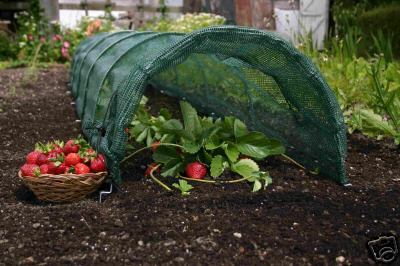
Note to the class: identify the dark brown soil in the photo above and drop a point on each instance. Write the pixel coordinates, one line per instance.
(299, 220)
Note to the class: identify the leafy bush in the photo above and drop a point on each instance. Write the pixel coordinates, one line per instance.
(6, 51)
(362, 71)
(52, 44)
(39, 41)
(368, 92)
(186, 23)
(367, 3)
(385, 18)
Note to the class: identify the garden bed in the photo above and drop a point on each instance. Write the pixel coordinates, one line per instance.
(300, 218)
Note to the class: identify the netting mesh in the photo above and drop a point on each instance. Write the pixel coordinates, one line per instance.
(226, 70)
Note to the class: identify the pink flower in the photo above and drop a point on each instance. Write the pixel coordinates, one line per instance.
(56, 37)
(42, 39)
(66, 44)
(30, 37)
(64, 52)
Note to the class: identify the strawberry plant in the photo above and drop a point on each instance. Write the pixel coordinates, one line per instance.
(200, 145)
(183, 186)
(145, 128)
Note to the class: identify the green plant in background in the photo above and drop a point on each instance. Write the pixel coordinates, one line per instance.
(385, 18)
(368, 92)
(6, 49)
(345, 14)
(186, 23)
(162, 8)
(365, 21)
(361, 69)
(381, 117)
(37, 39)
(383, 45)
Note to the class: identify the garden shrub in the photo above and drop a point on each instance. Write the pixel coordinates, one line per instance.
(186, 23)
(385, 18)
(6, 51)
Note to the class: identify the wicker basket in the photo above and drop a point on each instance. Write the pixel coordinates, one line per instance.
(64, 187)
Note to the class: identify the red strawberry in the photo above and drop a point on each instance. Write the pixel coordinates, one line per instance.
(30, 170)
(52, 168)
(32, 157)
(98, 164)
(54, 156)
(61, 169)
(87, 155)
(71, 147)
(81, 168)
(44, 169)
(196, 170)
(149, 168)
(41, 159)
(72, 159)
(57, 150)
(90, 151)
(155, 145)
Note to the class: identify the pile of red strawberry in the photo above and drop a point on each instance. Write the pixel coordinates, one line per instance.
(75, 156)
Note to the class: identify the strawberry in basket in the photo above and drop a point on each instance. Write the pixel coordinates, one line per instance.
(75, 156)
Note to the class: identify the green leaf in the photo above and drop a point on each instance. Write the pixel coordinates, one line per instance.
(209, 133)
(213, 143)
(245, 167)
(257, 145)
(190, 118)
(183, 186)
(137, 129)
(229, 122)
(149, 139)
(142, 136)
(172, 124)
(217, 166)
(256, 186)
(190, 147)
(370, 123)
(239, 128)
(172, 168)
(165, 113)
(205, 157)
(267, 179)
(231, 151)
(227, 128)
(165, 154)
(207, 122)
(174, 127)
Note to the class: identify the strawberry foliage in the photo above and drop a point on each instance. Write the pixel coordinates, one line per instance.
(223, 144)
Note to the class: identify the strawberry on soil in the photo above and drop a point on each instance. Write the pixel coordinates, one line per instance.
(196, 170)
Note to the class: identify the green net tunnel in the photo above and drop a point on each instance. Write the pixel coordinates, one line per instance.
(225, 70)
